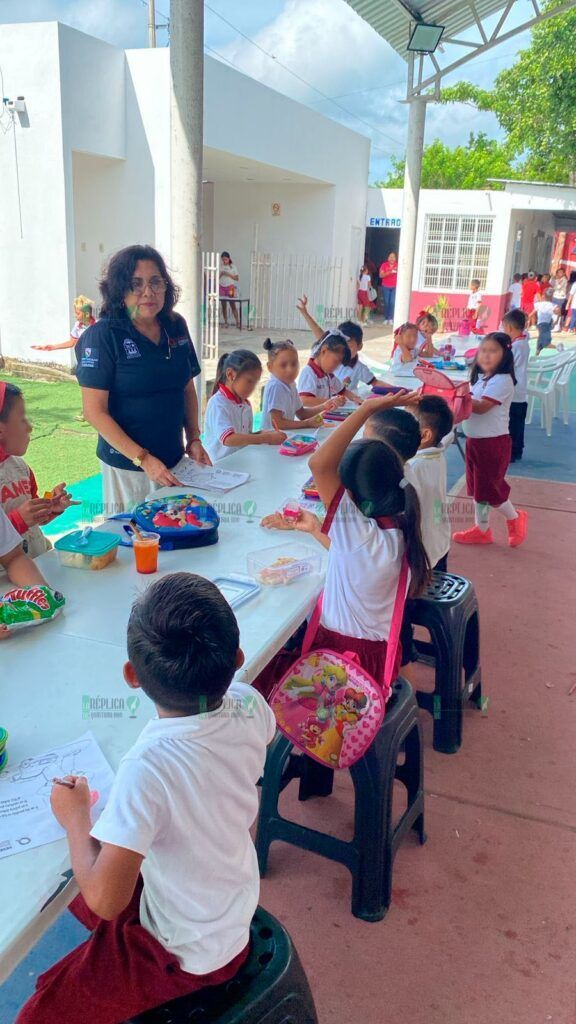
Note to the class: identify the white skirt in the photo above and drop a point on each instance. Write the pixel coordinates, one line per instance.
(123, 489)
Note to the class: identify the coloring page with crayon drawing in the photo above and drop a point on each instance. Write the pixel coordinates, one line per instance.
(26, 819)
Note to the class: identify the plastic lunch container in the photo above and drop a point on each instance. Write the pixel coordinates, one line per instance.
(95, 551)
(274, 567)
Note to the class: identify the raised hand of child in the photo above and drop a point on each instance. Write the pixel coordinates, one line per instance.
(400, 398)
(302, 304)
(36, 511)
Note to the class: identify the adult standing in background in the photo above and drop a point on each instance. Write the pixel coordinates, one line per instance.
(136, 368)
(388, 278)
(229, 287)
(559, 285)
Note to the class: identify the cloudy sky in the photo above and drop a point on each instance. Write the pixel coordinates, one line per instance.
(336, 63)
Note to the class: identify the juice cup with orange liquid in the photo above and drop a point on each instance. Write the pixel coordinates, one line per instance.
(146, 551)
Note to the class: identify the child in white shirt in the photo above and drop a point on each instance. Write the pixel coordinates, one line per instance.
(514, 323)
(545, 310)
(372, 520)
(229, 419)
(404, 350)
(427, 325)
(317, 381)
(168, 875)
(515, 292)
(354, 371)
(488, 442)
(283, 409)
(474, 298)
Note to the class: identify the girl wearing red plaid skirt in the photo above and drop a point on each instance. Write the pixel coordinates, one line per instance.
(488, 442)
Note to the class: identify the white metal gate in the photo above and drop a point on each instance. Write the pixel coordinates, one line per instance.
(277, 280)
(210, 315)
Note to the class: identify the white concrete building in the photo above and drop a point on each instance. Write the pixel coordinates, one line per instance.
(486, 234)
(93, 174)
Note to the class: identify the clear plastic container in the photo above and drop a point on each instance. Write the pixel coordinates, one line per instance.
(275, 567)
(94, 551)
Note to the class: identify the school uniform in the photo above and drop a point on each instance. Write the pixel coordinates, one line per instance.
(17, 485)
(488, 442)
(519, 404)
(473, 304)
(185, 798)
(282, 398)
(9, 537)
(396, 360)
(313, 382)
(427, 472)
(145, 384)
(354, 374)
(515, 294)
(226, 414)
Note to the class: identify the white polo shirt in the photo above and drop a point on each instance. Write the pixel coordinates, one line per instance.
(314, 383)
(283, 398)
(521, 353)
(545, 311)
(185, 798)
(352, 376)
(9, 537)
(474, 300)
(396, 360)
(364, 563)
(494, 423)
(427, 471)
(225, 414)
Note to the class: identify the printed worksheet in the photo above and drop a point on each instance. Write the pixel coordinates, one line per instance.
(208, 478)
(26, 819)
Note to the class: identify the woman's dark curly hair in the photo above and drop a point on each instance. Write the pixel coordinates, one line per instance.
(117, 280)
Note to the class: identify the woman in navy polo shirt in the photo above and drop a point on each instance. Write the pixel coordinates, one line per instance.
(136, 368)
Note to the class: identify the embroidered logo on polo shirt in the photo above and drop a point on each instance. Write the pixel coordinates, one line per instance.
(90, 358)
(131, 349)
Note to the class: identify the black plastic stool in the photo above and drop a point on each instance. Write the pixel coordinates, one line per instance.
(449, 611)
(370, 854)
(270, 987)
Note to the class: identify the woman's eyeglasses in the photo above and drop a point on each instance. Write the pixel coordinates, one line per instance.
(157, 285)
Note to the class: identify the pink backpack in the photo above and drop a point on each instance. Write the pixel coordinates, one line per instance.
(327, 704)
(457, 396)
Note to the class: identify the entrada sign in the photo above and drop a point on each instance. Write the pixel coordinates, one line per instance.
(384, 222)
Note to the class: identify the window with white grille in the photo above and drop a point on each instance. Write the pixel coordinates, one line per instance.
(456, 249)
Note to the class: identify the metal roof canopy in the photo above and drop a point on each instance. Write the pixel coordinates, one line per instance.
(394, 20)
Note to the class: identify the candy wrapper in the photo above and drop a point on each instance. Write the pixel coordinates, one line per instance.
(29, 606)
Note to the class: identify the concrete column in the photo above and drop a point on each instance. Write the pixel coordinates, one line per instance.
(187, 123)
(412, 176)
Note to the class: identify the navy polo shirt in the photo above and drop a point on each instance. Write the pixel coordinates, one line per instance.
(145, 383)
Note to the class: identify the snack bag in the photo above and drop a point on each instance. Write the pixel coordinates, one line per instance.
(29, 606)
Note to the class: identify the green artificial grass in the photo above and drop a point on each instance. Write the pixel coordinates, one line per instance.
(62, 446)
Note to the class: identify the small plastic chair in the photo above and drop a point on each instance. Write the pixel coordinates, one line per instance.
(449, 611)
(369, 856)
(562, 397)
(546, 393)
(270, 987)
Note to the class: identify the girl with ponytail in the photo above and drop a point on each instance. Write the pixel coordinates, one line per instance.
(229, 417)
(372, 522)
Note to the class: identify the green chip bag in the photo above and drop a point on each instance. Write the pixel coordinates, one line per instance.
(29, 606)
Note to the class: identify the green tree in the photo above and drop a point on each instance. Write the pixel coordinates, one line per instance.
(467, 166)
(535, 101)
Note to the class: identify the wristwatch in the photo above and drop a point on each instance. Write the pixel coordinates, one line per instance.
(139, 459)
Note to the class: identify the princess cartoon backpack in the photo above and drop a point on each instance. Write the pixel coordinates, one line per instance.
(327, 704)
(457, 395)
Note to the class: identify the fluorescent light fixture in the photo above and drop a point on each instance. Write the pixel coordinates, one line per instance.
(425, 38)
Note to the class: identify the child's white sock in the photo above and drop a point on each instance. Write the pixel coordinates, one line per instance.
(481, 514)
(507, 510)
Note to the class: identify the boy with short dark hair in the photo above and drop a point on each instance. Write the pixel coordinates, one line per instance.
(515, 324)
(168, 875)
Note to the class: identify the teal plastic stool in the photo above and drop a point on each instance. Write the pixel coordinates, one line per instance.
(270, 987)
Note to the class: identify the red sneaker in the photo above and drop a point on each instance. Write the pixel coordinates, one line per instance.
(517, 528)
(474, 536)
